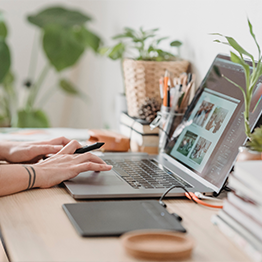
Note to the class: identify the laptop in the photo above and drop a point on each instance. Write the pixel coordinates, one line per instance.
(201, 151)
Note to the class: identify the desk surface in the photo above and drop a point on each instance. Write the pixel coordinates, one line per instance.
(35, 228)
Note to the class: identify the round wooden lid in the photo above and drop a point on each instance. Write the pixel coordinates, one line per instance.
(157, 245)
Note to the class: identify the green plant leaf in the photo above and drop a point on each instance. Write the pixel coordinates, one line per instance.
(253, 35)
(154, 30)
(255, 142)
(148, 32)
(129, 29)
(233, 43)
(147, 36)
(86, 37)
(237, 47)
(5, 59)
(235, 84)
(159, 40)
(218, 41)
(3, 29)
(164, 53)
(128, 33)
(255, 75)
(251, 76)
(176, 43)
(8, 81)
(125, 35)
(2, 119)
(58, 16)
(117, 51)
(236, 59)
(259, 69)
(62, 46)
(68, 87)
(145, 42)
(33, 118)
(216, 34)
(151, 49)
(104, 50)
(92, 40)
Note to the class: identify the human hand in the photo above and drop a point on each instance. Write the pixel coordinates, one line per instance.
(30, 152)
(66, 165)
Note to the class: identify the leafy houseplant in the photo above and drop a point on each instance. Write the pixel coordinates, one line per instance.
(143, 63)
(64, 37)
(135, 44)
(5, 77)
(251, 77)
(255, 142)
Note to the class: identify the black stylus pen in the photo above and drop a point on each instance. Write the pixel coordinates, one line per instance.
(89, 148)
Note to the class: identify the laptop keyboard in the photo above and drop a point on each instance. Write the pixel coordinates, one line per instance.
(146, 173)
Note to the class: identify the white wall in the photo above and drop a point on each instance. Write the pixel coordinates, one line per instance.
(190, 21)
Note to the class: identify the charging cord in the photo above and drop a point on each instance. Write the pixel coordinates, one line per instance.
(169, 189)
(201, 196)
(191, 195)
(179, 218)
(195, 197)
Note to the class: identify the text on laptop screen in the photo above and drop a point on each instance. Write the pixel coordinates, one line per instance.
(208, 138)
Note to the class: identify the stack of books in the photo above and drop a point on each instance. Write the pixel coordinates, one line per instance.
(241, 217)
(142, 138)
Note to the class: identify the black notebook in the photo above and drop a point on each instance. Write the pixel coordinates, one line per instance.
(113, 218)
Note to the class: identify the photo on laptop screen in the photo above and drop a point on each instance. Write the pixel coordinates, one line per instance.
(205, 142)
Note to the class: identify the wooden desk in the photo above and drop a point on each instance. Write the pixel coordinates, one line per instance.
(35, 228)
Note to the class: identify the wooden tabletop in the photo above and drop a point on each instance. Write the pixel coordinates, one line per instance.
(35, 228)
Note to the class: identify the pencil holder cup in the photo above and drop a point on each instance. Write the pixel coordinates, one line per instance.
(168, 123)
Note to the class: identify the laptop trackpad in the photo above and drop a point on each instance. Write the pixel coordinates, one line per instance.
(98, 178)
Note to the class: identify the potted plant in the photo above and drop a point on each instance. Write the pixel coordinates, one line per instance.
(5, 78)
(143, 63)
(251, 77)
(64, 37)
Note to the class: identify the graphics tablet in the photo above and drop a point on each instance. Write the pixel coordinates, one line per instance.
(113, 218)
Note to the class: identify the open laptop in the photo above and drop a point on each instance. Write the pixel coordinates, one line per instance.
(200, 154)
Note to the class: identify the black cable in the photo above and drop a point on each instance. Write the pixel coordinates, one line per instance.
(228, 189)
(169, 189)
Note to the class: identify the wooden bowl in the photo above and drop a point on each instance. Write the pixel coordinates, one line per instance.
(157, 245)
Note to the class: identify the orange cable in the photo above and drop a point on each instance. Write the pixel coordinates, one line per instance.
(200, 201)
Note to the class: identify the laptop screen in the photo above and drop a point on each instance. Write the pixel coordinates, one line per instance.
(212, 130)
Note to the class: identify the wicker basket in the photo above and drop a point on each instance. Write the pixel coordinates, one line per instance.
(142, 80)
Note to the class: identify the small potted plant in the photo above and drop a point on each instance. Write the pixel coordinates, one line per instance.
(251, 76)
(143, 63)
(64, 38)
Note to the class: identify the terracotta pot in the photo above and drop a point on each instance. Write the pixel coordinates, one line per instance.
(247, 154)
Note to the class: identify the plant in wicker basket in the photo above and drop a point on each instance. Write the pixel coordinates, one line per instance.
(149, 109)
(136, 44)
(144, 62)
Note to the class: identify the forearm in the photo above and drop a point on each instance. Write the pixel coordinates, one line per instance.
(15, 178)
